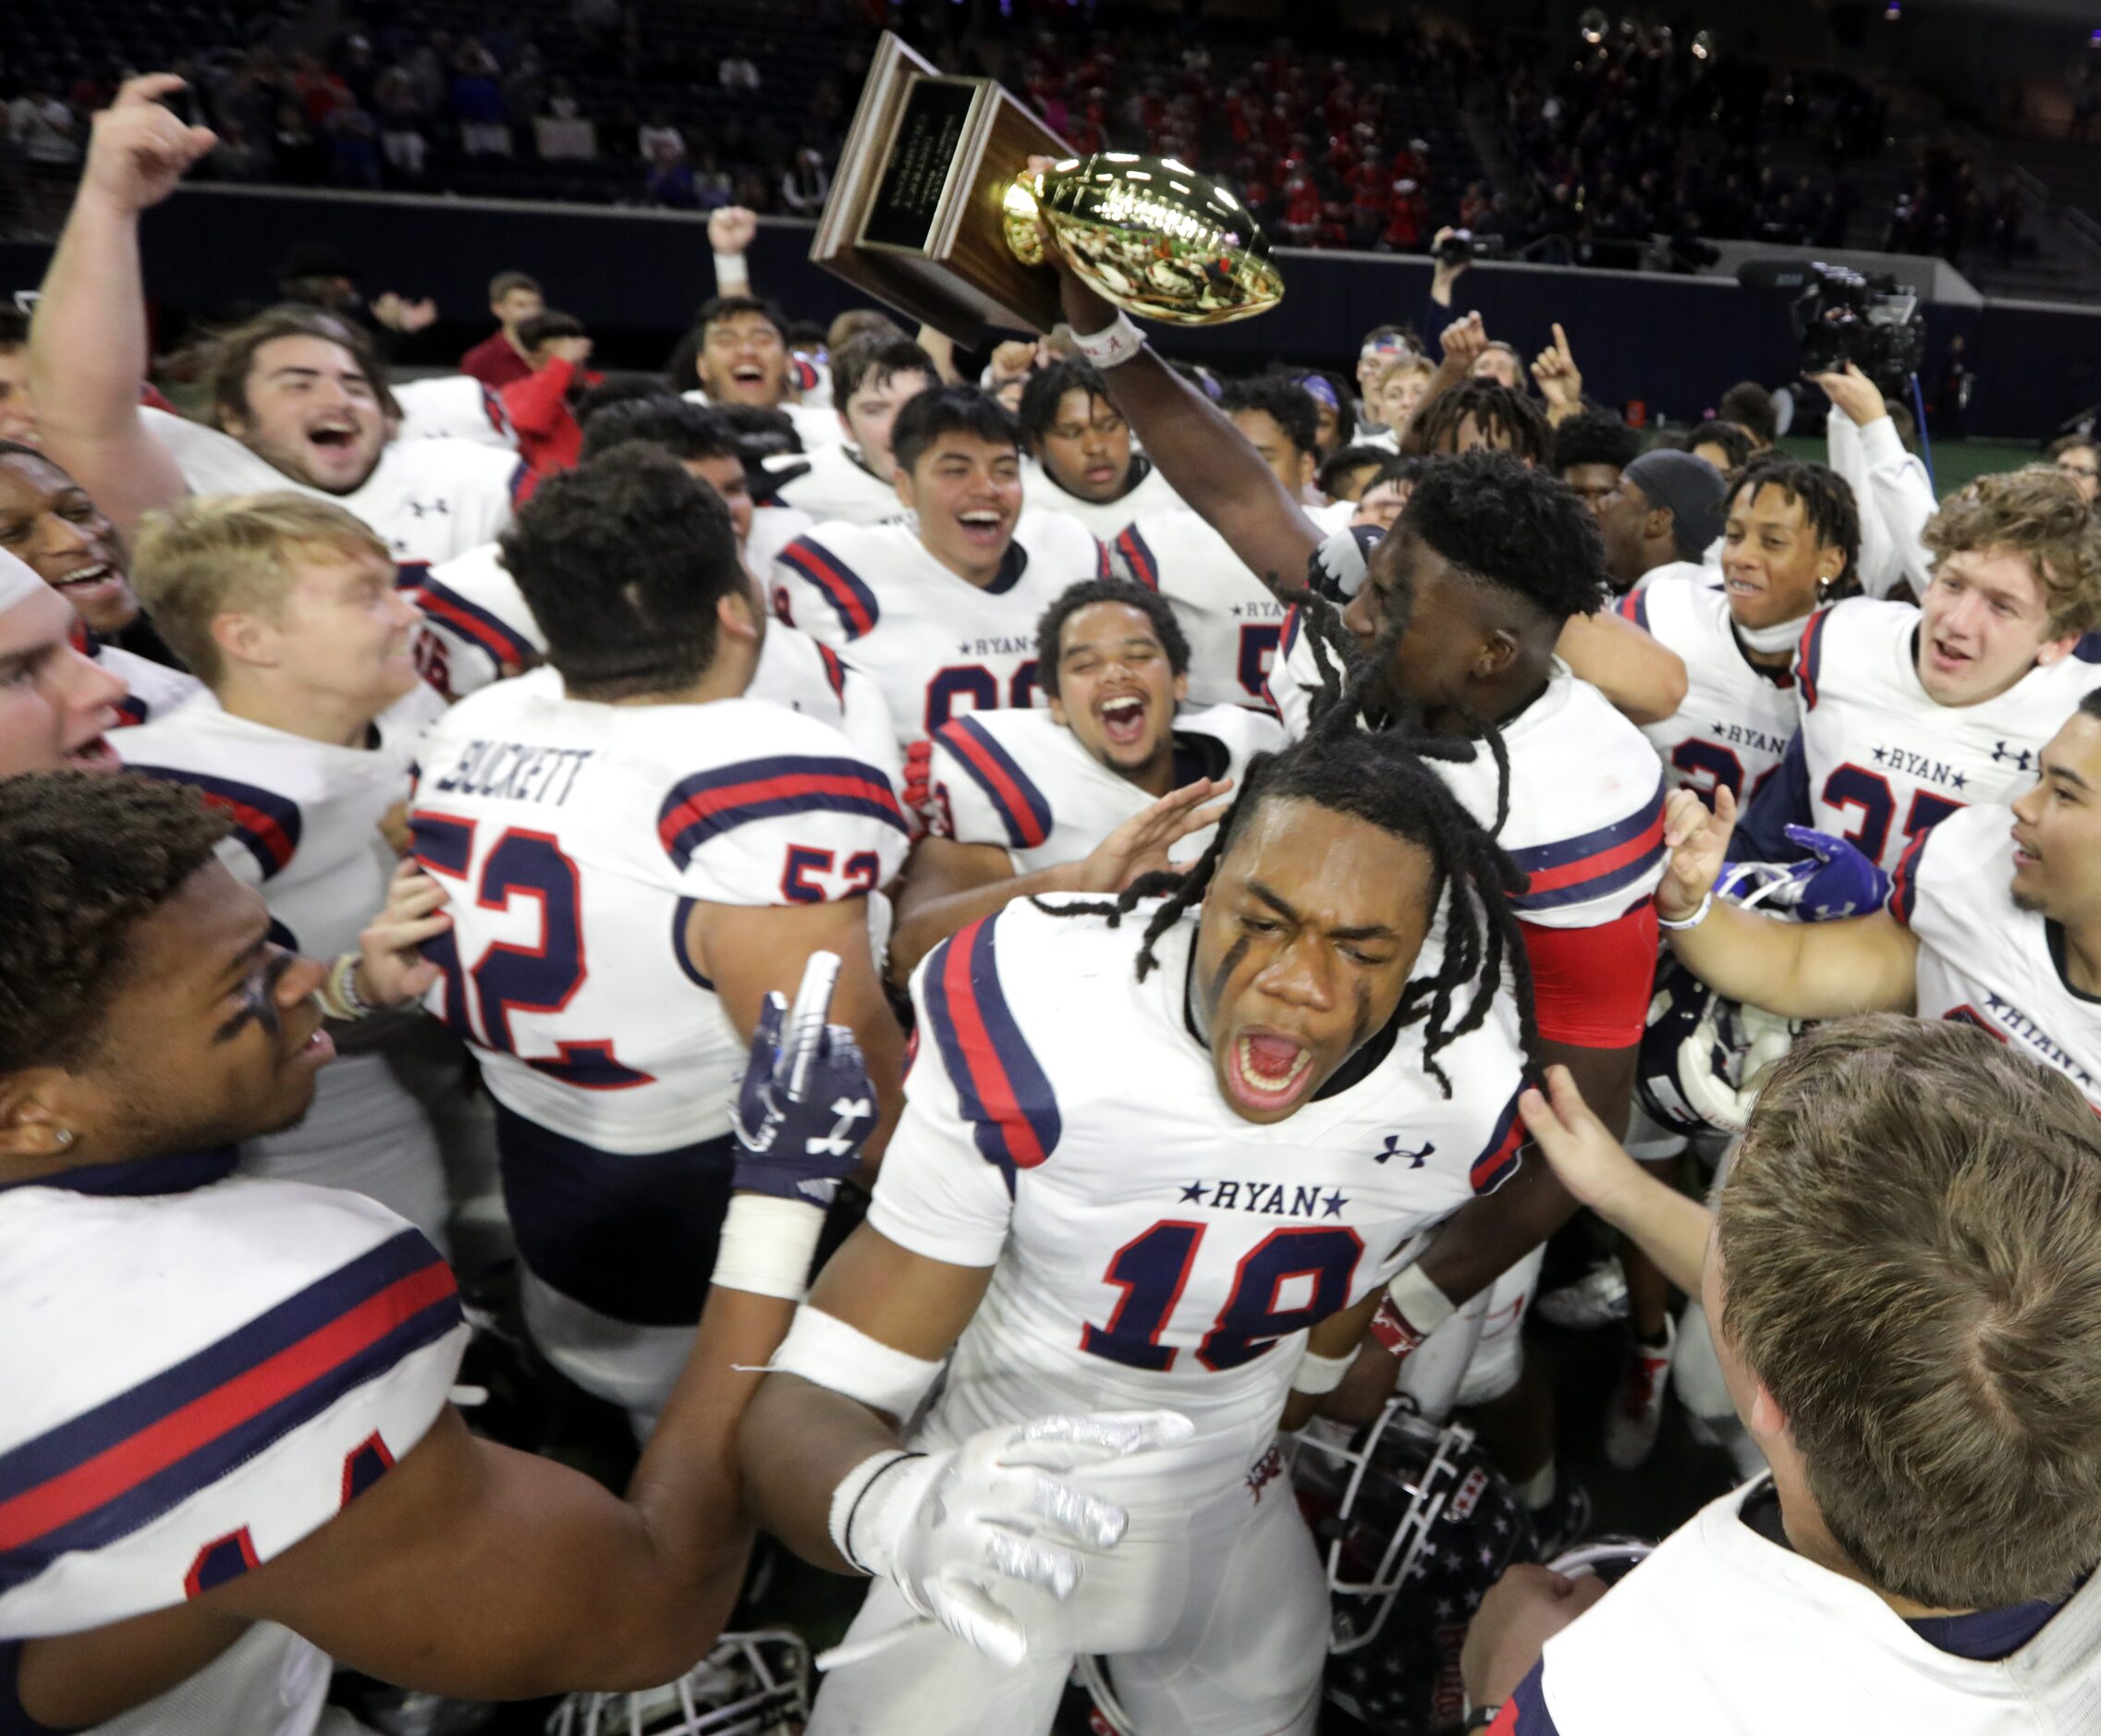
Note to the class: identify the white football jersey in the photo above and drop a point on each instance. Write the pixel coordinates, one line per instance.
(306, 815)
(831, 483)
(454, 407)
(478, 622)
(572, 837)
(1232, 621)
(1020, 779)
(815, 425)
(773, 529)
(1690, 1639)
(1736, 720)
(201, 1370)
(936, 644)
(151, 689)
(1885, 760)
(1104, 518)
(1150, 1247)
(1585, 811)
(427, 500)
(1983, 960)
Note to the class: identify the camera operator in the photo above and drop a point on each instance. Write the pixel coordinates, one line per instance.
(1895, 494)
(1451, 251)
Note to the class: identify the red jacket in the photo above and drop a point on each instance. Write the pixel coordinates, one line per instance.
(549, 436)
(494, 362)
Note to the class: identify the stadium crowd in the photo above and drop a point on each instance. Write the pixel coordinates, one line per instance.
(1033, 964)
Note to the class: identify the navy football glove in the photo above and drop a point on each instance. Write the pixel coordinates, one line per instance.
(1836, 880)
(806, 1105)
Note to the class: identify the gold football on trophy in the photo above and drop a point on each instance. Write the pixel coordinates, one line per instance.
(1151, 235)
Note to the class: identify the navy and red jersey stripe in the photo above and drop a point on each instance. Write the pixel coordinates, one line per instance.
(131, 1460)
(1138, 557)
(510, 650)
(1102, 569)
(835, 673)
(1904, 882)
(1808, 656)
(410, 575)
(1023, 808)
(1634, 607)
(1498, 1159)
(267, 825)
(1004, 1095)
(521, 482)
(709, 803)
(844, 589)
(1592, 864)
(131, 712)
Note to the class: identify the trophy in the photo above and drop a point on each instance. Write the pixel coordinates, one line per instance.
(935, 211)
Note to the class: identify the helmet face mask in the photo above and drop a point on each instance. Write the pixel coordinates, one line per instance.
(1414, 1526)
(751, 1684)
(1703, 1058)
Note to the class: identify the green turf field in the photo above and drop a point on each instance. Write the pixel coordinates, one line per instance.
(1955, 463)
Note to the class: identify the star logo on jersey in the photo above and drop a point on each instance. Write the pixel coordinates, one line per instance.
(1332, 1206)
(1193, 1193)
(1394, 1148)
(2020, 758)
(1959, 779)
(1263, 1199)
(1882, 756)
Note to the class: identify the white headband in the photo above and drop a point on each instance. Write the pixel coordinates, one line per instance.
(17, 582)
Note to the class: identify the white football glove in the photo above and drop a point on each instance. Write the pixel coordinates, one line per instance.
(948, 1529)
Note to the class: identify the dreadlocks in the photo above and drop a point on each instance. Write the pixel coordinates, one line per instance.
(1383, 778)
(1503, 417)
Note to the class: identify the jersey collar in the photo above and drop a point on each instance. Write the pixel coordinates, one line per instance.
(1013, 564)
(183, 1173)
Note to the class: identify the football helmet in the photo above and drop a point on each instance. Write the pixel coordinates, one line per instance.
(1414, 1525)
(1704, 1057)
(751, 1684)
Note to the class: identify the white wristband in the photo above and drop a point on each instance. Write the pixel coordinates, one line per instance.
(1694, 921)
(1109, 347)
(766, 1246)
(1318, 1373)
(732, 275)
(847, 1499)
(823, 1349)
(1419, 1302)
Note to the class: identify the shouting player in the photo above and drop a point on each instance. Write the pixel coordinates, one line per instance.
(1081, 459)
(48, 521)
(1075, 797)
(298, 399)
(1909, 714)
(307, 738)
(1184, 1189)
(227, 1456)
(639, 853)
(853, 480)
(1460, 606)
(941, 610)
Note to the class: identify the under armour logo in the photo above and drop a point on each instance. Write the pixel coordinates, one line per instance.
(2021, 758)
(836, 1144)
(1394, 1148)
(438, 506)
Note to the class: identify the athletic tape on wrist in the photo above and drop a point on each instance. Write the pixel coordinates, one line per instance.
(732, 275)
(1112, 346)
(823, 1349)
(1318, 1373)
(847, 1499)
(1413, 1308)
(766, 1245)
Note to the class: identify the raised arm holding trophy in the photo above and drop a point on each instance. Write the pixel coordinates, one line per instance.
(937, 205)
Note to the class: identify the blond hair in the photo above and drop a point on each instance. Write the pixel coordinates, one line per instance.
(1400, 365)
(1911, 1241)
(2036, 512)
(225, 554)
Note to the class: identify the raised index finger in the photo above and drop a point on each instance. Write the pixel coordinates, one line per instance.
(1562, 342)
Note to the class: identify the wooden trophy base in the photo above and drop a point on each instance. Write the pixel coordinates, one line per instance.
(916, 215)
